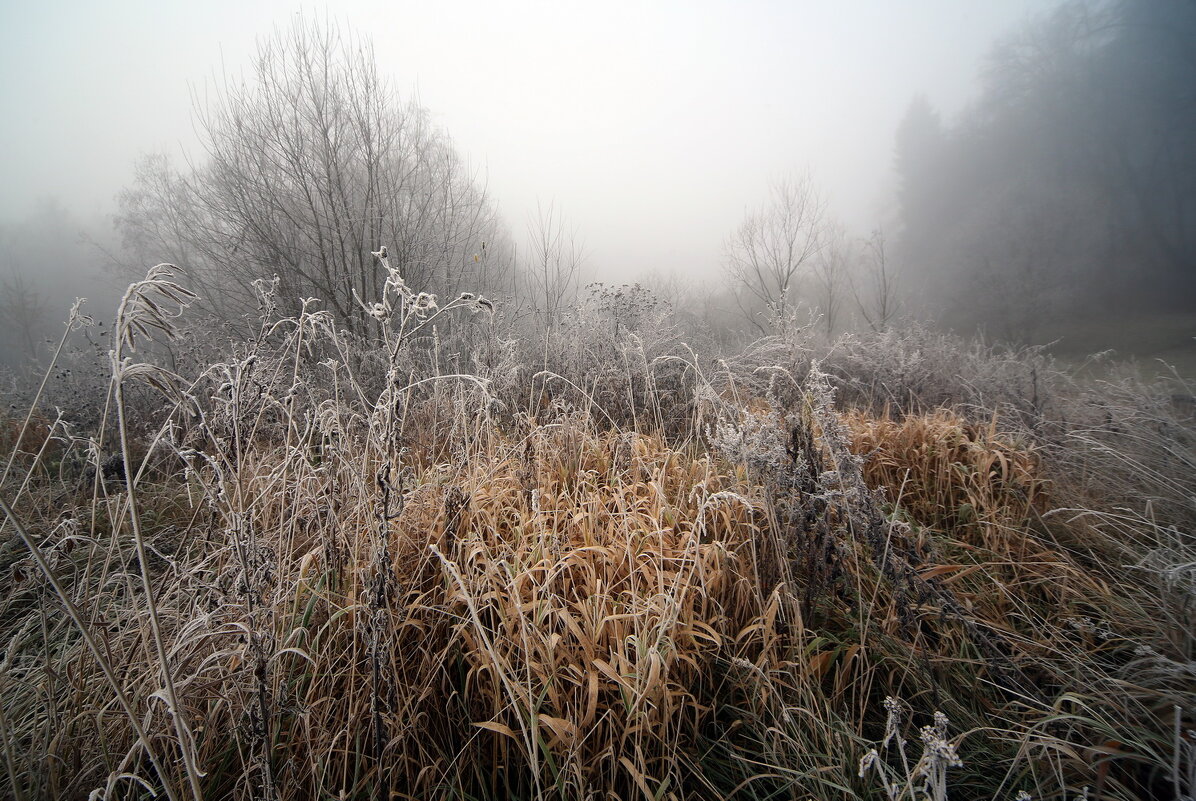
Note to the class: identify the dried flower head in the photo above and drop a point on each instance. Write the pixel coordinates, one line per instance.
(938, 750)
(868, 761)
(896, 714)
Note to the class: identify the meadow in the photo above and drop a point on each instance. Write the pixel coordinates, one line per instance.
(594, 558)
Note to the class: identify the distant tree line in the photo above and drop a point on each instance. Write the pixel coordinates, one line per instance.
(1069, 185)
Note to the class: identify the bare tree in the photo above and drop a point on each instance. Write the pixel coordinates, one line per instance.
(553, 265)
(830, 274)
(310, 167)
(23, 308)
(875, 288)
(774, 245)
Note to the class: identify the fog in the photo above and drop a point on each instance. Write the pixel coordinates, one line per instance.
(652, 126)
(650, 131)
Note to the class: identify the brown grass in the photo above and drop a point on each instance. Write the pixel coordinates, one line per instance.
(321, 596)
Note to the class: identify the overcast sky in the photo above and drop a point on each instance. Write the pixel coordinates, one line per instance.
(653, 126)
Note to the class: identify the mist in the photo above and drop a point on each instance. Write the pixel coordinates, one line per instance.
(652, 129)
(651, 133)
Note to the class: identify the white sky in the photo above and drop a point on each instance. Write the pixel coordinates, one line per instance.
(653, 126)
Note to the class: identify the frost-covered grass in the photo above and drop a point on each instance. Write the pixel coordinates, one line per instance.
(460, 562)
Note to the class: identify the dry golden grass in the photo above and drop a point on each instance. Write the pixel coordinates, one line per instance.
(556, 607)
(578, 614)
(948, 473)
